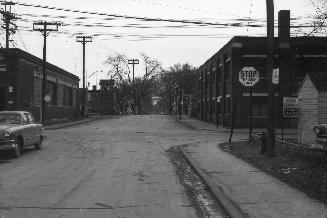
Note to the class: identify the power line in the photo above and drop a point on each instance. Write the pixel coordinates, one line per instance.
(187, 8)
(121, 16)
(129, 25)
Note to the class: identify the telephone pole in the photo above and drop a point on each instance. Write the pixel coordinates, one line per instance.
(84, 40)
(270, 64)
(45, 28)
(8, 17)
(134, 62)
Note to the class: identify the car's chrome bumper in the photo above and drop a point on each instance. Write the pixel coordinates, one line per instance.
(7, 145)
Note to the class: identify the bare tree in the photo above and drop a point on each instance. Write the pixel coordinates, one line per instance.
(118, 67)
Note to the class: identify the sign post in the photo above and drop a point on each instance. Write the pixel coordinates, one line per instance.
(249, 76)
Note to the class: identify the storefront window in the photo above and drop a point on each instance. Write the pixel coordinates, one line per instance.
(51, 90)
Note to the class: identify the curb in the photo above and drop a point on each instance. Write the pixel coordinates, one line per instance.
(231, 207)
(62, 125)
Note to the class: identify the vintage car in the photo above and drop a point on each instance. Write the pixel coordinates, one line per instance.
(19, 130)
(321, 139)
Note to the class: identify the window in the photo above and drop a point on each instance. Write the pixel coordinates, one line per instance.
(37, 90)
(30, 117)
(218, 108)
(219, 73)
(259, 106)
(61, 95)
(213, 75)
(227, 70)
(68, 96)
(25, 119)
(51, 90)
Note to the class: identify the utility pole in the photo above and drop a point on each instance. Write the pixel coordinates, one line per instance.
(182, 98)
(7, 18)
(270, 64)
(134, 62)
(45, 28)
(84, 40)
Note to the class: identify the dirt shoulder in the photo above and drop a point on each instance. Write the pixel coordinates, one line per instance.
(301, 169)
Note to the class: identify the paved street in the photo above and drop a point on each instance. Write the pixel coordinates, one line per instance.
(116, 167)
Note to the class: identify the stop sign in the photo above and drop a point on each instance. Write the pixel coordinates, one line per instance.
(248, 76)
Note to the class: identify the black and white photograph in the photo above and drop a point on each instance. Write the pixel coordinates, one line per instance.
(163, 109)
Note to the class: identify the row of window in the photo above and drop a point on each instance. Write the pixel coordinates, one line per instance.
(217, 74)
(259, 106)
(60, 95)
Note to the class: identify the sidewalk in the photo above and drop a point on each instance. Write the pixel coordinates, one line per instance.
(242, 188)
(78, 122)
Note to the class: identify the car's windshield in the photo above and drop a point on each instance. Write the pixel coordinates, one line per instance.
(10, 118)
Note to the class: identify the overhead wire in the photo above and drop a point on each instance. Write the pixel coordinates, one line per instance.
(186, 24)
(187, 8)
(119, 16)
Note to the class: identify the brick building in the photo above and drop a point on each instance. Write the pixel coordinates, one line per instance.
(101, 101)
(217, 79)
(21, 86)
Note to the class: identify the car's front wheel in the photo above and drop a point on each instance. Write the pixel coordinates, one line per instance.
(16, 152)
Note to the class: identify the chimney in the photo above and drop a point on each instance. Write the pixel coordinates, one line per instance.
(284, 23)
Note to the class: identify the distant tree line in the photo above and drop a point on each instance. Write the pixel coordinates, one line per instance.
(157, 90)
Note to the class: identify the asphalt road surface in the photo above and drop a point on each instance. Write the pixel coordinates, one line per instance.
(116, 167)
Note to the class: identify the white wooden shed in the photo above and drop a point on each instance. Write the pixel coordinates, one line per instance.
(312, 105)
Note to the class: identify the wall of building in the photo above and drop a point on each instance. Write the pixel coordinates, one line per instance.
(24, 74)
(308, 112)
(101, 101)
(322, 107)
(294, 57)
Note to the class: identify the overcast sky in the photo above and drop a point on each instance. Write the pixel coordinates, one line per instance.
(169, 42)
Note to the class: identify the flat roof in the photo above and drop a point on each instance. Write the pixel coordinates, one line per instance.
(25, 55)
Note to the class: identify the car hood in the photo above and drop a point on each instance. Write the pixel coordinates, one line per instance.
(3, 127)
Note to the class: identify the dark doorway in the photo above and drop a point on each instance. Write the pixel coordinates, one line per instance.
(2, 98)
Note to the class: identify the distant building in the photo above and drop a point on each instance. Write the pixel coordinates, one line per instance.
(21, 85)
(106, 84)
(101, 101)
(312, 105)
(219, 89)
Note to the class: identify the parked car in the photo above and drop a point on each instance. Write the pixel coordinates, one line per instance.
(19, 130)
(321, 139)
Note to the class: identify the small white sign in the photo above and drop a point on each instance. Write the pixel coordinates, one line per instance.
(11, 89)
(47, 98)
(248, 76)
(290, 107)
(275, 76)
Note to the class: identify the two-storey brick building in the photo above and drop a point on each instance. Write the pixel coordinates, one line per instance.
(219, 90)
(21, 86)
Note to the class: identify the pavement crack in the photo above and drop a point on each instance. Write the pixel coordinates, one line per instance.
(103, 205)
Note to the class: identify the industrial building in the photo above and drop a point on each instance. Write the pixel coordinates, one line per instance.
(219, 91)
(21, 86)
